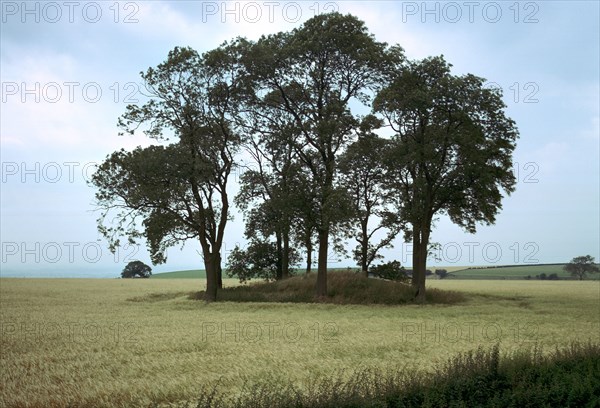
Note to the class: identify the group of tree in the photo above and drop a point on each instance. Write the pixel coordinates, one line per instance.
(321, 173)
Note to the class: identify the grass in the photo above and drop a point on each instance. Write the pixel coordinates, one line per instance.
(131, 343)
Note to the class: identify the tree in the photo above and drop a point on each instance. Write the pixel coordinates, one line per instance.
(136, 268)
(363, 177)
(441, 273)
(312, 75)
(580, 266)
(178, 191)
(259, 260)
(451, 152)
(391, 270)
(271, 183)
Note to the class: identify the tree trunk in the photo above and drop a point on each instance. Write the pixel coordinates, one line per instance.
(321, 290)
(420, 243)
(211, 265)
(278, 240)
(285, 256)
(364, 249)
(363, 262)
(219, 273)
(309, 249)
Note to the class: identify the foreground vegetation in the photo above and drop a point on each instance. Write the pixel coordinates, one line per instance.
(567, 377)
(135, 342)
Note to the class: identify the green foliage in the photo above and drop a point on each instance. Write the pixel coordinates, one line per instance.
(451, 132)
(391, 270)
(259, 260)
(362, 176)
(580, 266)
(136, 269)
(441, 273)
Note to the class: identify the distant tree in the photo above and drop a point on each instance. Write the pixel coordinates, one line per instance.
(553, 276)
(451, 152)
(580, 266)
(136, 269)
(441, 273)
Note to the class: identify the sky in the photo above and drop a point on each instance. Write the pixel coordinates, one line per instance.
(68, 70)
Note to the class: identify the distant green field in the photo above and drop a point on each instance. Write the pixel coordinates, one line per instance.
(201, 273)
(188, 274)
(504, 272)
(514, 272)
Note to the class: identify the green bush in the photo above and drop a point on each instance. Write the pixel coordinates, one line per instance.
(390, 271)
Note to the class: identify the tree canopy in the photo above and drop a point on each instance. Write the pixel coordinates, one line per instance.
(136, 269)
(362, 176)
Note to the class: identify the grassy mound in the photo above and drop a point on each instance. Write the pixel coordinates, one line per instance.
(343, 288)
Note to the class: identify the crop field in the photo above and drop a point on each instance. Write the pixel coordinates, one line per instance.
(132, 342)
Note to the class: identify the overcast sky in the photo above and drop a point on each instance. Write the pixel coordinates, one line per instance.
(68, 69)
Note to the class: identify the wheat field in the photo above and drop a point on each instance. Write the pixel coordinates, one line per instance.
(123, 343)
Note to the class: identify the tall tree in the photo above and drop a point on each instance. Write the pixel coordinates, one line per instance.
(179, 191)
(313, 74)
(278, 178)
(452, 151)
(580, 266)
(363, 176)
(270, 182)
